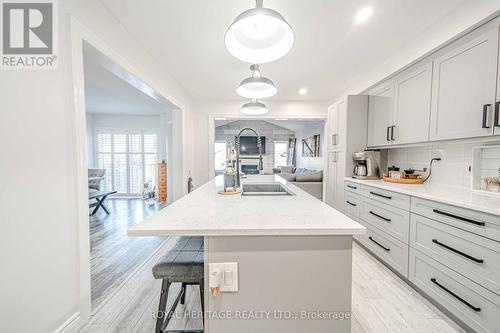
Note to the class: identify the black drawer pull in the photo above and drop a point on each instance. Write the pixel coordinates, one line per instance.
(380, 217)
(350, 203)
(381, 195)
(437, 211)
(455, 295)
(480, 261)
(353, 187)
(485, 116)
(385, 248)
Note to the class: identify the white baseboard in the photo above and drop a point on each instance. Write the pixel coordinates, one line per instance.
(71, 325)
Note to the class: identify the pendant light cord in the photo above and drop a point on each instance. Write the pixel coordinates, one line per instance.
(259, 3)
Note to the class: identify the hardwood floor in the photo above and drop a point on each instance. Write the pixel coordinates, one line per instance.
(113, 255)
(382, 303)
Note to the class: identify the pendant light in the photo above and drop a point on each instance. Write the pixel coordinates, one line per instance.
(254, 108)
(259, 35)
(256, 86)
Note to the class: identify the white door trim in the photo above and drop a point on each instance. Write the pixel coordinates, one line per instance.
(80, 34)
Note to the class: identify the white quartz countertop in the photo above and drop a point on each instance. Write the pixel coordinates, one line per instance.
(204, 212)
(456, 196)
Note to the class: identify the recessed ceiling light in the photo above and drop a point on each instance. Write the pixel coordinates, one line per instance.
(303, 91)
(364, 14)
(284, 119)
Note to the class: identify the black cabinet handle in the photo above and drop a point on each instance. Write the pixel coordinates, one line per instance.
(381, 195)
(465, 219)
(380, 217)
(385, 248)
(392, 132)
(485, 115)
(480, 261)
(433, 280)
(387, 134)
(497, 111)
(350, 203)
(353, 187)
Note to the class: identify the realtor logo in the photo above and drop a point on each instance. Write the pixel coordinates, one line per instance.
(28, 34)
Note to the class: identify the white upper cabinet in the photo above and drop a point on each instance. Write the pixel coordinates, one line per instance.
(380, 109)
(412, 106)
(337, 117)
(463, 89)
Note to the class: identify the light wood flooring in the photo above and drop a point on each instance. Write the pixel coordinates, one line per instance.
(382, 303)
(113, 255)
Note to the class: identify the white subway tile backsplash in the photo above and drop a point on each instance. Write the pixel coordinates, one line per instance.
(453, 169)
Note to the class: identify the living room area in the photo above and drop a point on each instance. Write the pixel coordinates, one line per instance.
(291, 148)
(129, 143)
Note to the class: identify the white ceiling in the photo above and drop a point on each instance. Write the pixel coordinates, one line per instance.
(330, 51)
(106, 93)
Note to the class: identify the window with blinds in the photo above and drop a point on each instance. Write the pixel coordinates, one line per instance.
(129, 159)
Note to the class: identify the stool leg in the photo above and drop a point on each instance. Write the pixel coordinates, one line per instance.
(183, 288)
(202, 298)
(160, 315)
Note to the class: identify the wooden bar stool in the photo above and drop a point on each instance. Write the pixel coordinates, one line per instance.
(184, 264)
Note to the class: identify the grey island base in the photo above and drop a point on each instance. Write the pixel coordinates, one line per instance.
(294, 256)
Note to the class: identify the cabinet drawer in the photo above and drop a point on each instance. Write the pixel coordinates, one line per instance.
(483, 224)
(394, 221)
(352, 203)
(351, 186)
(387, 248)
(392, 198)
(473, 256)
(473, 304)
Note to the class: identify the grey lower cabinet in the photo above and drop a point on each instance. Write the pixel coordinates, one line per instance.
(450, 253)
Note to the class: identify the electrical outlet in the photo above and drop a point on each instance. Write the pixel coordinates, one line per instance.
(438, 153)
(226, 274)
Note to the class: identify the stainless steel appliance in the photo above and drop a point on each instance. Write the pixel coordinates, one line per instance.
(366, 164)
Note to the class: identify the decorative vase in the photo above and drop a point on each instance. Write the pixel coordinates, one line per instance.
(229, 181)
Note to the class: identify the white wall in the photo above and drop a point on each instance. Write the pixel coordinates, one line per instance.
(203, 108)
(39, 240)
(315, 163)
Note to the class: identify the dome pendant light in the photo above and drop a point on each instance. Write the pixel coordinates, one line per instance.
(254, 108)
(256, 86)
(259, 35)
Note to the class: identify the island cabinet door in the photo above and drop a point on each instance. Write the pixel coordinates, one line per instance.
(463, 88)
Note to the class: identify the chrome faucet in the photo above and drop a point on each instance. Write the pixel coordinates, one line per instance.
(259, 145)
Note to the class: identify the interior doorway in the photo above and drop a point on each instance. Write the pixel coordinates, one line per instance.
(127, 135)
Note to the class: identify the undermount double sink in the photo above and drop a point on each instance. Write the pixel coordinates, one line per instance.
(265, 189)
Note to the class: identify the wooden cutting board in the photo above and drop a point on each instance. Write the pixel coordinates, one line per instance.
(414, 181)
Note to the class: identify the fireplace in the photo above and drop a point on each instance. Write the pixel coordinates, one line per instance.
(250, 169)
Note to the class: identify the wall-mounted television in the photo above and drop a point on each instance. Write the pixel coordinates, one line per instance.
(248, 145)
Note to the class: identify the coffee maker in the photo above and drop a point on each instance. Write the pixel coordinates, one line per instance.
(367, 164)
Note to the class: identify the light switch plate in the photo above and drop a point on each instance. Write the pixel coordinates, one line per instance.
(229, 275)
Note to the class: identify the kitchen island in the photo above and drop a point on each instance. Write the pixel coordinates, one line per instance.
(293, 254)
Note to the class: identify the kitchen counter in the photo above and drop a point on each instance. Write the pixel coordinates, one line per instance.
(293, 253)
(456, 196)
(204, 212)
